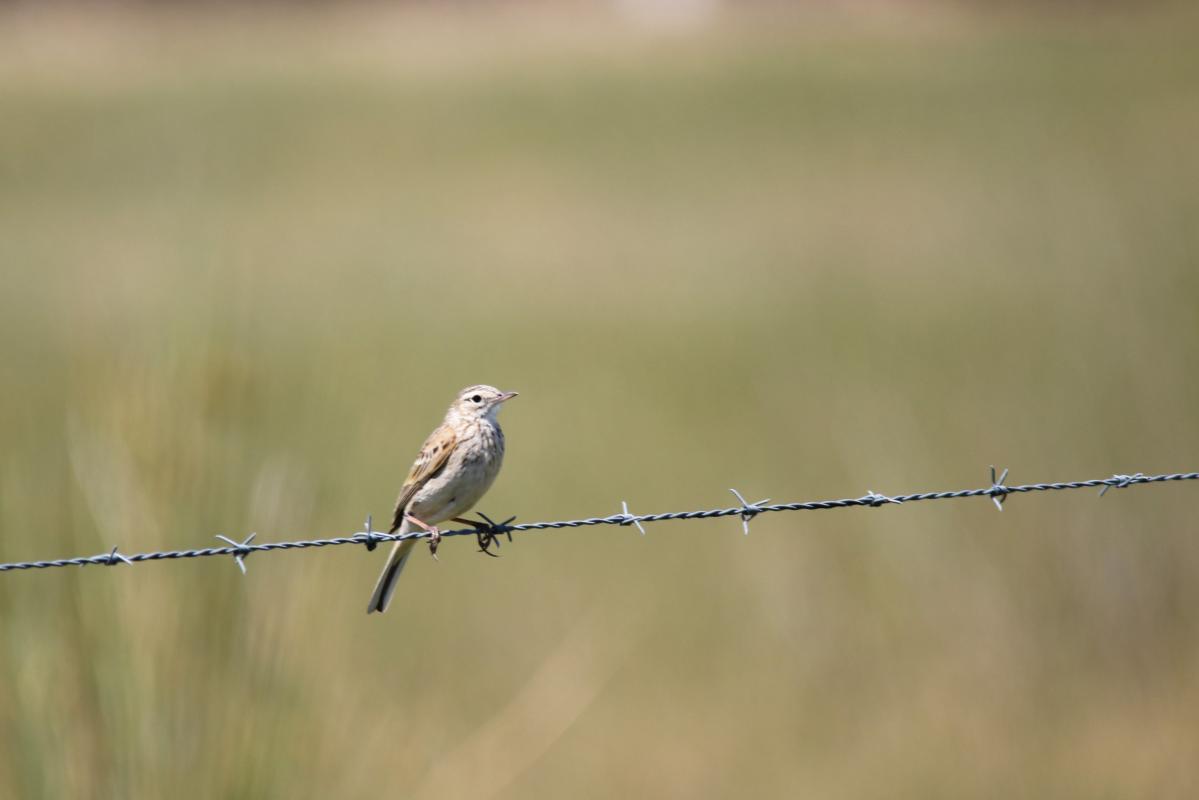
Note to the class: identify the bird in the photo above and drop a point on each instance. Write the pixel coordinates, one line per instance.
(456, 466)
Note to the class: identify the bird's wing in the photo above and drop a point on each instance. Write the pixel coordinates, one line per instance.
(433, 455)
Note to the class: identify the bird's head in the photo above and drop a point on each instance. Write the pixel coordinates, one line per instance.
(481, 400)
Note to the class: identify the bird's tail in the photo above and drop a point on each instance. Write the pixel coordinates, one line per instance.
(386, 586)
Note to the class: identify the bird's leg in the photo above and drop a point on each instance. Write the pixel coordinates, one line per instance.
(487, 532)
(434, 534)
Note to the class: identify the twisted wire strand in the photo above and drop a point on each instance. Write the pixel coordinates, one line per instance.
(997, 491)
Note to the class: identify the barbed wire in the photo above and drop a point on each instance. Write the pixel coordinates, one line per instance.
(487, 531)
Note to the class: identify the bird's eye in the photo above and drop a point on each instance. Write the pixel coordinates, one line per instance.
(477, 399)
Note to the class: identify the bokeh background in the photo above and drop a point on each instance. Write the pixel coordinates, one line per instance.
(248, 256)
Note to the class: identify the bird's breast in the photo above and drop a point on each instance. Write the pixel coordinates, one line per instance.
(466, 477)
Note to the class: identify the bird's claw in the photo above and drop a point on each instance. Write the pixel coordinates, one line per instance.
(488, 532)
(434, 542)
(434, 533)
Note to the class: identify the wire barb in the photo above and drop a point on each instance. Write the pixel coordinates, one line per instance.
(1122, 482)
(998, 491)
(875, 500)
(628, 519)
(116, 558)
(489, 533)
(242, 549)
(748, 510)
(368, 536)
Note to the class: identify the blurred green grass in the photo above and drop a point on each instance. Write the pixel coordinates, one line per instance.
(243, 275)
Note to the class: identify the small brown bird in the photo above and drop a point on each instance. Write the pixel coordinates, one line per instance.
(456, 466)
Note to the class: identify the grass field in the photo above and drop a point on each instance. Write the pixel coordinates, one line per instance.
(246, 263)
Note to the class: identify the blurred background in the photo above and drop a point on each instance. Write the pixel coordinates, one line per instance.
(250, 254)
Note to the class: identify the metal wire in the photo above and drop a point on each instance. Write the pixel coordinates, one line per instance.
(997, 491)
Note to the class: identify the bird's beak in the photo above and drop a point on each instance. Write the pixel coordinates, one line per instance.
(506, 396)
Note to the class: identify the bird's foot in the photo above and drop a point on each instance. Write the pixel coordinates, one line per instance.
(434, 534)
(488, 532)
